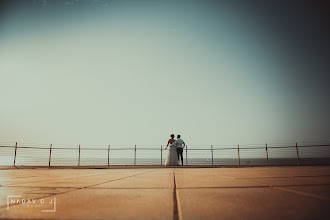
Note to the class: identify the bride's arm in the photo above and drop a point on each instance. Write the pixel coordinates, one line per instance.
(168, 142)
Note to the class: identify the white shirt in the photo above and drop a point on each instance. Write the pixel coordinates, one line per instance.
(178, 143)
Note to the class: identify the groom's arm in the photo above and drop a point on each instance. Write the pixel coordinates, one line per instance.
(184, 144)
(174, 143)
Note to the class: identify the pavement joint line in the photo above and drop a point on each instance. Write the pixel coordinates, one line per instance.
(197, 187)
(312, 184)
(290, 190)
(63, 178)
(46, 187)
(58, 178)
(314, 176)
(222, 187)
(268, 177)
(35, 219)
(258, 186)
(79, 188)
(278, 177)
(301, 193)
(5, 206)
(177, 215)
(232, 178)
(42, 193)
(249, 181)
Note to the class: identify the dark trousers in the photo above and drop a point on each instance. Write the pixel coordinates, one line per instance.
(179, 151)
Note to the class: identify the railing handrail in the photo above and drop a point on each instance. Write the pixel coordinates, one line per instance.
(239, 149)
(119, 147)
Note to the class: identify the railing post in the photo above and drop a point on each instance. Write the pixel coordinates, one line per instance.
(239, 159)
(108, 154)
(135, 155)
(161, 155)
(267, 154)
(15, 154)
(50, 154)
(212, 153)
(79, 156)
(186, 155)
(297, 154)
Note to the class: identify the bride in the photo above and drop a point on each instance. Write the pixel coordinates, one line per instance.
(172, 156)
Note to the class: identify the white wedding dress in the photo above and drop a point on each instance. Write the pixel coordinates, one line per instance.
(172, 157)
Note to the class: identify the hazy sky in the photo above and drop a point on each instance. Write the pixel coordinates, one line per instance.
(133, 72)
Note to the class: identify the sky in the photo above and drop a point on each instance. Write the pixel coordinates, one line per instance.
(134, 72)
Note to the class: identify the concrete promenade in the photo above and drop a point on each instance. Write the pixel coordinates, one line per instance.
(166, 193)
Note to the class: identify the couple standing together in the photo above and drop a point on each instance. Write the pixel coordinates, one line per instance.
(175, 151)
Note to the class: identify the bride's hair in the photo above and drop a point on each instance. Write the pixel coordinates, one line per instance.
(172, 135)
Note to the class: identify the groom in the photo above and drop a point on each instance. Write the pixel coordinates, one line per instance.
(179, 143)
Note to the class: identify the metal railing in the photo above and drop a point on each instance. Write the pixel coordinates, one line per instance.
(61, 155)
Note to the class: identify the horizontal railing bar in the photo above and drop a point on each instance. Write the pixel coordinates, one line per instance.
(283, 147)
(250, 148)
(320, 145)
(291, 146)
(64, 148)
(35, 148)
